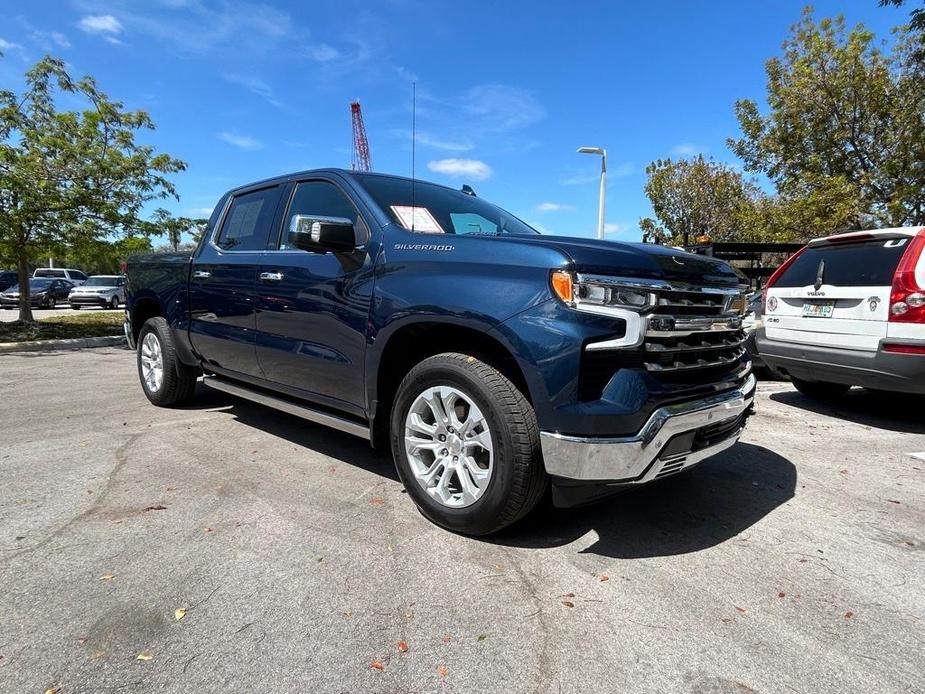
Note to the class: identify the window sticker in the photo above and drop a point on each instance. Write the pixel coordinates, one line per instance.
(417, 219)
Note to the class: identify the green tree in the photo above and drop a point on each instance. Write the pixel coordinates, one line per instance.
(845, 126)
(695, 197)
(174, 227)
(71, 178)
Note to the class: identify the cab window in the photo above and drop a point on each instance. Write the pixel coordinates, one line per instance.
(247, 224)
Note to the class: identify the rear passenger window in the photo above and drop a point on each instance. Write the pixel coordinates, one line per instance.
(247, 224)
(869, 264)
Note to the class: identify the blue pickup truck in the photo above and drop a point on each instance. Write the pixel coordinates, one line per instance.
(494, 362)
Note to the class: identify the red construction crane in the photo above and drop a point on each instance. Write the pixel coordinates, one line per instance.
(360, 143)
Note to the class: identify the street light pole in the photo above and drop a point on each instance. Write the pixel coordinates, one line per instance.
(603, 193)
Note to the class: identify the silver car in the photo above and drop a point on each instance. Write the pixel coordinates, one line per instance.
(106, 291)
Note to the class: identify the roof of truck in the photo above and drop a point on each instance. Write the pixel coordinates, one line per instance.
(275, 180)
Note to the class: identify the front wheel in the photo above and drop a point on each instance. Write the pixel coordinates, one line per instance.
(114, 302)
(820, 390)
(50, 303)
(466, 445)
(163, 379)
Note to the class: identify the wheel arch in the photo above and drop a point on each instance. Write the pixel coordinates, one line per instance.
(412, 343)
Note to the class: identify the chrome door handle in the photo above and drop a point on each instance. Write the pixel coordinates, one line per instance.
(201, 274)
(271, 276)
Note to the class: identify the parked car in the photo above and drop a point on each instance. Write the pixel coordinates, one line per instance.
(107, 291)
(849, 310)
(7, 279)
(751, 322)
(75, 277)
(44, 292)
(492, 360)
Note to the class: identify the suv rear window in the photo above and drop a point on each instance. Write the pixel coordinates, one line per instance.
(867, 264)
(50, 273)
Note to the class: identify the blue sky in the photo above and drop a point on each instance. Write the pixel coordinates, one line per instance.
(505, 91)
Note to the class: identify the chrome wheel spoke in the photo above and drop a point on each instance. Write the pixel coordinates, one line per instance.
(152, 362)
(448, 445)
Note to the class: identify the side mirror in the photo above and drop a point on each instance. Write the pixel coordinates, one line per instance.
(322, 234)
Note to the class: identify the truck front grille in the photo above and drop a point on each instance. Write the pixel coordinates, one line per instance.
(690, 337)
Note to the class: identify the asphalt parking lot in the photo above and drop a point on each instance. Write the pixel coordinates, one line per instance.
(791, 563)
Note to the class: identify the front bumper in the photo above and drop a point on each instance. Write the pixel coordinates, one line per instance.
(89, 299)
(674, 438)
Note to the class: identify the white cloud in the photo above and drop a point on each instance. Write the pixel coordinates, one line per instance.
(613, 228)
(240, 141)
(686, 149)
(200, 212)
(468, 168)
(100, 24)
(8, 46)
(503, 107)
(60, 39)
(552, 207)
(324, 53)
(255, 85)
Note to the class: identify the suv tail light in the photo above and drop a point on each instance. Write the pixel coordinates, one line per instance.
(907, 298)
(773, 278)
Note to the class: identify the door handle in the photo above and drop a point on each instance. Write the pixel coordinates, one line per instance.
(201, 274)
(271, 276)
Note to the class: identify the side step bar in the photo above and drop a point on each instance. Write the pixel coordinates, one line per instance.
(297, 409)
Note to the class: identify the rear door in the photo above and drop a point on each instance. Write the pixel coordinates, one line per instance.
(836, 294)
(222, 280)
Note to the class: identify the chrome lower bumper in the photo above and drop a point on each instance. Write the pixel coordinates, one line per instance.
(637, 459)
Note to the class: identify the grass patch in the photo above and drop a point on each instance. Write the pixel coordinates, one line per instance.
(83, 324)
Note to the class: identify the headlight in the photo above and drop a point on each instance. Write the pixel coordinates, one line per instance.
(602, 294)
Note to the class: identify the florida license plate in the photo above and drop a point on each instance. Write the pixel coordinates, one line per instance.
(820, 310)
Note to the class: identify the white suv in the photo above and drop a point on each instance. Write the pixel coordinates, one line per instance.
(75, 277)
(849, 310)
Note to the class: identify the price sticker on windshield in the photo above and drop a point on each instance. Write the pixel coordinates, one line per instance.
(417, 219)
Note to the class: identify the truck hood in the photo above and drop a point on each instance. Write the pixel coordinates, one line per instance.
(643, 260)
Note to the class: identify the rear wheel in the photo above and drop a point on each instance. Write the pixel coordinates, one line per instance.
(820, 390)
(164, 380)
(466, 445)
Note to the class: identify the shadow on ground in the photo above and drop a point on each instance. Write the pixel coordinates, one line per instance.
(709, 504)
(889, 411)
(703, 507)
(345, 448)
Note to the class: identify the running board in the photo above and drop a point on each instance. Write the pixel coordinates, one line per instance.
(296, 409)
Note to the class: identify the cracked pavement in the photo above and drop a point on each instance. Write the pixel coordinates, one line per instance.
(791, 563)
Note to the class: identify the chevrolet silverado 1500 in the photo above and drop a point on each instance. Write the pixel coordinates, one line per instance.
(494, 361)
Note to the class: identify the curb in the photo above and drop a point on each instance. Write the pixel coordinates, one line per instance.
(58, 345)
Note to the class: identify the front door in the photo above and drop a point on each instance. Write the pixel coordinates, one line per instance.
(222, 281)
(312, 308)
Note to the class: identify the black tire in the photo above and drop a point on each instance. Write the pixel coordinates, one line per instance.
(820, 390)
(50, 302)
(75, 307)
(518, 477)
(114, 303)
(177, 383)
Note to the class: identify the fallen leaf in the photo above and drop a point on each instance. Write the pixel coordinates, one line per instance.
(443, 670)
(482, 637)
(377, 501)
(156, 507)
(144, 656)
(51, 690)
(802, 561)
(740, 609)
(179, 613)
(782, 594)
(207, 530)
(332, 470)
(568, 595)
(106, 577)
(843, 472)
(604, 577)
(568, 603)
(377, 665)
(849, 614)
(348, 614)
(402, 647)
(893, 501)
(82, 640)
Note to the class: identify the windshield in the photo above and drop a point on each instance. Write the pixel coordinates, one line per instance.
(439, 210)
(100, 282)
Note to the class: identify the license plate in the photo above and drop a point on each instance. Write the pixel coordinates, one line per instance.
(821, 310)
